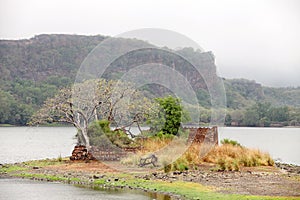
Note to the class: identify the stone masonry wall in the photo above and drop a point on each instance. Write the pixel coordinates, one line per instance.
(203, 134)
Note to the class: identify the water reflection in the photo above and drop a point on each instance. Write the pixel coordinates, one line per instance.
(36, 190)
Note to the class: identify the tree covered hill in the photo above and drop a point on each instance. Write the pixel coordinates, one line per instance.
(34, 69)
(241, 92)
(44, 55)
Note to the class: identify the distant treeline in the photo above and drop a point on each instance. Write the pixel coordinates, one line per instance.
(264, 115)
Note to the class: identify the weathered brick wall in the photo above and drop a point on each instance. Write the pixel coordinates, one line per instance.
(203, 134)
(112, 154)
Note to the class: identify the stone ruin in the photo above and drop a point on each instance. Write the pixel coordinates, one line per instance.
(198, 136)
(80, 152)
(203, 134)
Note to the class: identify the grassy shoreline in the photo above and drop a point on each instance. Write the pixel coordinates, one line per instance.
(41, 170)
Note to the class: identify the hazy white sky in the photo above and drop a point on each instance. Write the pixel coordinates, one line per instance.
(253, 39)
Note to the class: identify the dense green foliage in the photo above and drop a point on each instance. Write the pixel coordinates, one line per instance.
(33, 70)
(102, 136)
(170, 115)
(250, 104)
(263, 114)
(231, 142)
(24, 97)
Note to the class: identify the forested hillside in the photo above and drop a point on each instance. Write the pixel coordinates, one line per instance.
(34, 69)
(251, 104)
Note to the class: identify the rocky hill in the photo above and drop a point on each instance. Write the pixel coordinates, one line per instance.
(34, 69)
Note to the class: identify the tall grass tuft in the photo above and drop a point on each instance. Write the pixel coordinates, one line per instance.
(154, 144)
(59, 158)
(232, 157)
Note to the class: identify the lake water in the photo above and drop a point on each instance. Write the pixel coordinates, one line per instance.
(23, 143)
(283, 144)
(32, 143)
(16, 189)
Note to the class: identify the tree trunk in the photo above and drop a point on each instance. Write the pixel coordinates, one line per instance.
(95, 114)
(86, 138)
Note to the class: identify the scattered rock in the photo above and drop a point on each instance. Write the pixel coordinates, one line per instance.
(177, 172)
(96, 177)
(289, 168)
(154, 173)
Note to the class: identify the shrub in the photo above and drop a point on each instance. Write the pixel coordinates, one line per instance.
(180, 165)
(232, 142)
(102, 136)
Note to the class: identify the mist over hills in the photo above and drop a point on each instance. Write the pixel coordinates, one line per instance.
(33, 70)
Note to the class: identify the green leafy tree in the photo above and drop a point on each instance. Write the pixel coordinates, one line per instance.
(262, 109)
(251, 117)
(228, 119)
(279, 114)
(237, 116)
(170, 115)
(6, 106)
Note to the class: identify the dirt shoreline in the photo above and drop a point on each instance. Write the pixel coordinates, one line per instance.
(283, 180)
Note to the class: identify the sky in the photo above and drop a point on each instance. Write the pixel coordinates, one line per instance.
(253, 39)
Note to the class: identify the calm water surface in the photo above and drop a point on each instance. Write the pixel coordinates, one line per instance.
(16, 189)
(283, 144)
(20, 144)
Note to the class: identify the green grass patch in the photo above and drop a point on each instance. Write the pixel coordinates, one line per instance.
(46, 162)
(6, 125)
(232, 142)
(49, 177)
(188, 190)
(11, 168)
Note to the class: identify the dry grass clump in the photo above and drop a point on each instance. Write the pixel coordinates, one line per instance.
(231, 157)
(193, 154)
(154, 144)
(148, 145)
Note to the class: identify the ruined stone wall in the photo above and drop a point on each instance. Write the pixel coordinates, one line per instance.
(112, 154)
(203, 135)
(80, 152)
